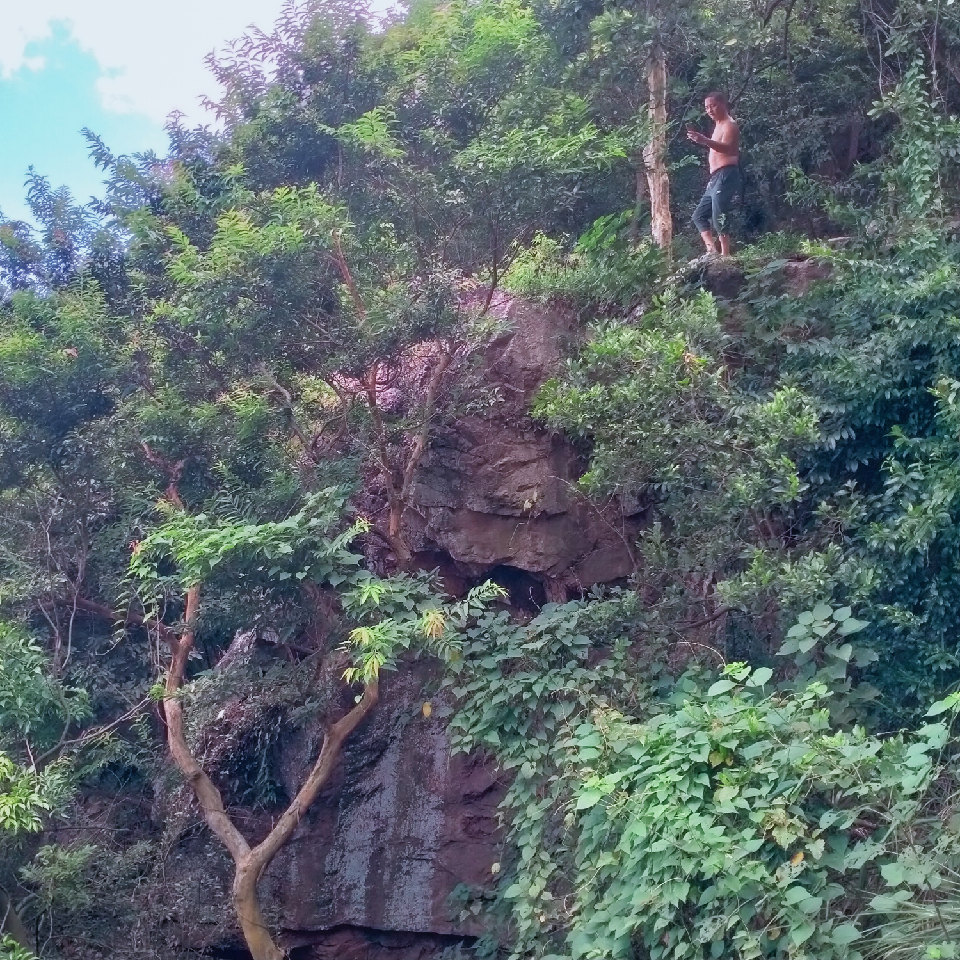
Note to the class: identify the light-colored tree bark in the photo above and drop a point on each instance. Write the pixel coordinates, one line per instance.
(655, 152)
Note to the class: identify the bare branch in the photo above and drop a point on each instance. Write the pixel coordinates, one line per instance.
(423, 434)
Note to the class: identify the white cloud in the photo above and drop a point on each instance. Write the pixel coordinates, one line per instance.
(151, 51)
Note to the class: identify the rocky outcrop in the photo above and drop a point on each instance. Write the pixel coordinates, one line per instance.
(381, 865)
(727, 279)
(498, 490)
(405, 826)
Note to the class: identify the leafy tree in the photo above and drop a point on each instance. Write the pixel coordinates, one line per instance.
(36, 713)
(391, 616)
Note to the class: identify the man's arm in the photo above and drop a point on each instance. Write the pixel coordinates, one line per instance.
(728, 145)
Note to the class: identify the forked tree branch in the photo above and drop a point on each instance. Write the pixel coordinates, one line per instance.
(250, 863)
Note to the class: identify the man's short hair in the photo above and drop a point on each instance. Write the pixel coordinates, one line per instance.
(718, 96)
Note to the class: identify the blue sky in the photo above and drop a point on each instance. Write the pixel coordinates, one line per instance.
(119, 67)
(42, 112)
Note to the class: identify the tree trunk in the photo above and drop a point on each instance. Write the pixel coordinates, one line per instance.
(246, 905)
(655, 153)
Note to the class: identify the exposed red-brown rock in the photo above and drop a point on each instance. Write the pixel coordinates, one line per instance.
(497, 489)
(370, 871)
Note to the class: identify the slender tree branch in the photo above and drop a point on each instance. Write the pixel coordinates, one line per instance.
(203, 787)
(173, 471)
(423, 434)
(694, 624)
(347, 276)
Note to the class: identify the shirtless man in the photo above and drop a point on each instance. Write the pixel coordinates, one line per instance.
(713, 211)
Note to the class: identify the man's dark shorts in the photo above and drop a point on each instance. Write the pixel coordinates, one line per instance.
(715, 210)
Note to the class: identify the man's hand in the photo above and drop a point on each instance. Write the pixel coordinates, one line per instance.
(697, 137)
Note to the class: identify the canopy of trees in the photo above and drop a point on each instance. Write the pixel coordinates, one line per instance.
(747, 748)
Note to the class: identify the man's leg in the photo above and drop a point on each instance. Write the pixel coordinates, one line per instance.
(722, 210)
(702, 217)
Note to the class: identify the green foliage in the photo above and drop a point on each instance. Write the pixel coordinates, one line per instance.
(723, 826)
(603, 270)
(669, 425)
(822, 654)
(32, 703)
(405, 613)
(11, 950)
(521, 687)
(24, 797)
(57, 873)
(297, 548)
(723, 816)
(84, 889)
(657, 392)
(391, 614)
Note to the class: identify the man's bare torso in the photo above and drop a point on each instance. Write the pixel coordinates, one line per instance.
(727, 132)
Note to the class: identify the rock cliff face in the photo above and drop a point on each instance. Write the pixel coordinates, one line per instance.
(371, 869)
(405, 829)
(497, 490)
(407, 824)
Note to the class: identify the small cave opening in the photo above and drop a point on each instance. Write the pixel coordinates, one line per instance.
(526, 592)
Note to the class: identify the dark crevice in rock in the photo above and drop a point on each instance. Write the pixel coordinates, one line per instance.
(525, 591)
(353, 942)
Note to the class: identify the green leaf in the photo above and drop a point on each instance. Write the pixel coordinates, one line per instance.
(795, 894)
(722, 685)
(893, 873)
(588, 799)
(845, 934)
(760, 678)
(942, 706)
